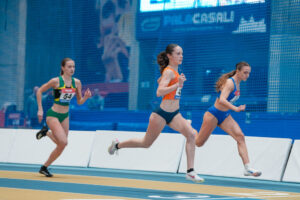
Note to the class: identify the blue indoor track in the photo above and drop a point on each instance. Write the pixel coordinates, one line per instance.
(19, 182)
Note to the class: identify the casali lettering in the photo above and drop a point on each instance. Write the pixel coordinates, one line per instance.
(199, 18)
(213, 17)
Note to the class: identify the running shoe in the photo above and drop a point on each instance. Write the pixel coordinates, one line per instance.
(45, 171)
(112, 148)
(252, 172)
(193, 176)
(42, 132)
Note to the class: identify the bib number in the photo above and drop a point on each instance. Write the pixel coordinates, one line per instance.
(66, 95)
(178, 93)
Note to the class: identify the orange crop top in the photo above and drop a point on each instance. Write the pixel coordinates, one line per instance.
(175, 94)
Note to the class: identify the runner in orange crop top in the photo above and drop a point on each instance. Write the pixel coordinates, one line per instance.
(167, 113)
(171, 95)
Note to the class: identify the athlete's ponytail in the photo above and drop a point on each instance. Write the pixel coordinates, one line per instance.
(222, 80)
(63, 63)
(162, 58)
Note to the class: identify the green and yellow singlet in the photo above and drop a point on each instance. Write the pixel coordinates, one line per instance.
(63, 94)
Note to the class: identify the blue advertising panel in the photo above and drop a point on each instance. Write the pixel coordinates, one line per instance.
(231, 19)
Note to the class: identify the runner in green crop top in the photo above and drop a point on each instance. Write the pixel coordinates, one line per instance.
(65, 87)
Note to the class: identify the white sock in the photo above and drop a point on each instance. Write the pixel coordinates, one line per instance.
(247, 166)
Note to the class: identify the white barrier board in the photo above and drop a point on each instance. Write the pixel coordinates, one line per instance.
(164, 154)
(292, 171)
(7, 137)
(219, 156)
(78, 150)
(27, 149)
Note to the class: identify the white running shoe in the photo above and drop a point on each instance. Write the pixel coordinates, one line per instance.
(193, 176)
(112, 148)
(252, 172)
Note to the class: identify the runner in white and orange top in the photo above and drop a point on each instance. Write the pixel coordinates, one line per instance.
(170, 85)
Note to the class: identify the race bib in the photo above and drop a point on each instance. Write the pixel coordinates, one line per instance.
(236, 97)
(178, 93)
(66, 95)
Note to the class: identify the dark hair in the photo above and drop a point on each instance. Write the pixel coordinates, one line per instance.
(63, 63)
(222, 80)
(162, 58)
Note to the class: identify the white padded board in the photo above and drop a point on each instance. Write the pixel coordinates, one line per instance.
(7, 138)
(27, 149)
(292, 171)
(164, 155)
(219, 156)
